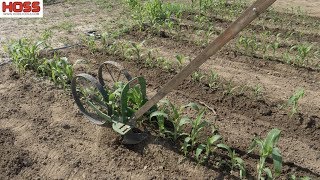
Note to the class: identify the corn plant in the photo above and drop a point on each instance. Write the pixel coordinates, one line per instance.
(303, 51)
(175, 116)
(293, 177)
(268, 147)
(197, 76)
(229, 89)
(249, 43)
(25, 54)
(236, 162)
(197, 126)
(58, 69)
(90, 43)
(275, 44)
(207, 148)
(181, 60)
(164, 63)
(257, 89)
(160, 116)
(213, 79)
(137, 49)
(293, 101)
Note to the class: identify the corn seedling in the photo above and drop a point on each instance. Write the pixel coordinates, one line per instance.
(303, 51)
(257, 89)
(181, 60)
(207, 148)
(293, 101)
(58, 69)
(175, 116)
(268, 147)
(213, 80)
(90, 43)
(275, 44)
(161, 116)
(229, 90)
(197, 76)
(197, 126)
(25, 54)
(137, 49)
(236, 162)
(293, 177)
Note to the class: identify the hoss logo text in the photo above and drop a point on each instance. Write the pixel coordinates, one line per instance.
(21, 8)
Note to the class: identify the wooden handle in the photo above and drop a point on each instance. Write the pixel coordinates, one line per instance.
(245, 19)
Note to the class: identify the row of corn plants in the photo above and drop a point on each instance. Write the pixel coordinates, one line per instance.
(25, 55)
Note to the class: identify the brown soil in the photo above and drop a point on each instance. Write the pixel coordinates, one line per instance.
(43, 135)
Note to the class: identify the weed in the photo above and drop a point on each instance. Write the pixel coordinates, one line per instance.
(67, 26)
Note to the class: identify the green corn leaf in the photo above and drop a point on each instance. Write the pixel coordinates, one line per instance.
(277, 160)
(224, 146)
(213, 139)
(305, 178)
(268, 172)
(252, 145)
(199, 150)
(158, 113)
(271, 140)
(192, 106)
(199, 117)
(239, 160)
(184, 120)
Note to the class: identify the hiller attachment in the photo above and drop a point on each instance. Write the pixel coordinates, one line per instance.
(118, 113)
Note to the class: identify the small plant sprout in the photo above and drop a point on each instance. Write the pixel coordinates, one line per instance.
(197, 126)
(137, 48)
(161, 116)
(293, 177)
(181, 60)
(268, 147)
(175, 116)
(275, 44)
(257, 89)
(229, 90)
(293, 101)
(303, 50)
(213, 79)
(236, 162)
(207, 148)
(197, 76)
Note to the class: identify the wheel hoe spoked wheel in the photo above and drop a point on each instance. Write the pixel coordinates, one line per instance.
(90, 98)
(111, 72)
